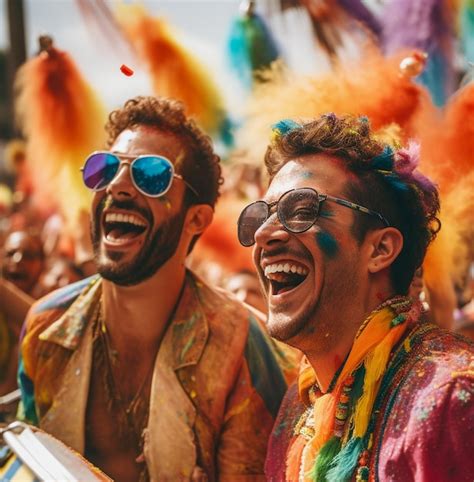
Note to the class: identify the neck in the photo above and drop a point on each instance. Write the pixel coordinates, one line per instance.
(328, 350)
(138, 315)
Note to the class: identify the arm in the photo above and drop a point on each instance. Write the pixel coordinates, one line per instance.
(15, 304)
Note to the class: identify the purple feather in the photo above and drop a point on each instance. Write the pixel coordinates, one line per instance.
(406, 164)
(421, 24)
(360, 12)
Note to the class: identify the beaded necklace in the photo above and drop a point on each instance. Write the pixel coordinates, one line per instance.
(337, 429)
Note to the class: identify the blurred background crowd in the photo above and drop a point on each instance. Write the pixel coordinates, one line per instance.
(239, 67)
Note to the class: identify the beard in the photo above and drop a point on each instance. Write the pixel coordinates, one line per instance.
(157, 249)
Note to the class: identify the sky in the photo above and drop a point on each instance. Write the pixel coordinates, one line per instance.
(202, 26)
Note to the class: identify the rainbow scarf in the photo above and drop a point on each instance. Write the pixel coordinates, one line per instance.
(333, 437)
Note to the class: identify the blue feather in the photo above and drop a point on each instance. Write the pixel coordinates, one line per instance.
(251, 47)
(284, 126)
(383, 161)
(345, 461)
(396, 182)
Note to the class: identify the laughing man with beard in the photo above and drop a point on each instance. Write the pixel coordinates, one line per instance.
(144, 369)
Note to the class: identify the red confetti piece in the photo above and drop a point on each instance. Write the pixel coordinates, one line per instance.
(126, 70)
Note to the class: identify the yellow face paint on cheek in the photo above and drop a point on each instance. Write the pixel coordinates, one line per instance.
(166, 202)
(108, 203)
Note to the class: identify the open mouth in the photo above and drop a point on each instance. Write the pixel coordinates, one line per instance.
(285, 277)
(122, 227)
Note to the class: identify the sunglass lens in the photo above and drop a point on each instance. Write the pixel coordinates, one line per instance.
(99, 170)
(251, 218)
(152, 174)
(298, 209)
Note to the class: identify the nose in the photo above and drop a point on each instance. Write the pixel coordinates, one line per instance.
(121, 186)
(271, 233)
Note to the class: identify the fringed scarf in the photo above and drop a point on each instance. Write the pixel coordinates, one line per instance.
(333, 437)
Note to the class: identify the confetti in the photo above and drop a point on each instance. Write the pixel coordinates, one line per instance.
(126, 70)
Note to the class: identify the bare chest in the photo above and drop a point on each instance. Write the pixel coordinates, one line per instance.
(115, 421)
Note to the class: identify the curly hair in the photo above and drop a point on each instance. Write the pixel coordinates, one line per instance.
(201, 167)
(387, 182)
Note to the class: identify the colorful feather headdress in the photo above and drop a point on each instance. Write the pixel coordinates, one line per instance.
(63, 121)
(372, 87)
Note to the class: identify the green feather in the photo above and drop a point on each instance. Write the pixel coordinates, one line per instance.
(323, 462)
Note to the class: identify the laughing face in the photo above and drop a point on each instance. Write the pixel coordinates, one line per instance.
(134, 235)
(310, 278)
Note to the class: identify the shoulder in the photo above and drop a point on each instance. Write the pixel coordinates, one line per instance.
(62, 298)
(48, 310)
(430, 414)
(237, 338)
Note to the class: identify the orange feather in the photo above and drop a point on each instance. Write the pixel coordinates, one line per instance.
(63, 121)
(174, 71)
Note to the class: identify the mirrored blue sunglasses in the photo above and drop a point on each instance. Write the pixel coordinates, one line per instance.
(152, 175)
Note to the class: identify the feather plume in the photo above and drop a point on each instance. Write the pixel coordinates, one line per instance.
(62, 119)
(361, 13)
(427, 25)
(345, 461)
(174, 71)
(449, 256)
(467, 29)
(251, 46)
(371, 86)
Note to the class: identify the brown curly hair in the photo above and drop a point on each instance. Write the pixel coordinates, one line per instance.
(410, 202)
(201, 167)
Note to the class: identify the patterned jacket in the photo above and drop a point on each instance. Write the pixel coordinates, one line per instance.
(216, 384)
(424, 420)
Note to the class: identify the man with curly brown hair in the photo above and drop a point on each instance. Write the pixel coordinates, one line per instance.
(144, 369)
(382, 393)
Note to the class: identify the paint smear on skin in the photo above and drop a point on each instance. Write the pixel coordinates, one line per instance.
(307, 175)
(179, 161)
(327, 243)
(108, 202)
(381, 297)
(164, 200)
(326, 214)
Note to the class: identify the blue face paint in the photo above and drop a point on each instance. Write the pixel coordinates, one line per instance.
(307, 175)
(326, 214)
(327, 244)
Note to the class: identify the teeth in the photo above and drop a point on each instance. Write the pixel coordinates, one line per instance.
(285, 268)
(123, 218)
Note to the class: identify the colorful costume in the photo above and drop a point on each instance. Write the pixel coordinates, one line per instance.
(216, 385)
(401, 408)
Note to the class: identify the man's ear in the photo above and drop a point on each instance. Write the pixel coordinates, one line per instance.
(198, 218)
(384, 247)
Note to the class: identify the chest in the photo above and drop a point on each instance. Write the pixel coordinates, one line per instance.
(115, 420)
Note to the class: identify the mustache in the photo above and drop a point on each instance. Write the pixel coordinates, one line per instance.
(279, 250)
(110, 203)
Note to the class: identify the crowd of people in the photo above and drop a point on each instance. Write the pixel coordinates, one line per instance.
(125, 349)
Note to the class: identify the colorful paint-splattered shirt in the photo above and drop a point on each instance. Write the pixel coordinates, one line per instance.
(220, 385)
(424, 423)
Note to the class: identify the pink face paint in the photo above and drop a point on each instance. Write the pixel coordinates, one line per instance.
(380, 297)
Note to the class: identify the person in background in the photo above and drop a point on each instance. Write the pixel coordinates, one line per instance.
(382, 394)
(246, 287)
(23, 260)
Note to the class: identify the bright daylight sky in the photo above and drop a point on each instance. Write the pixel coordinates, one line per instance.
(203, 24)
